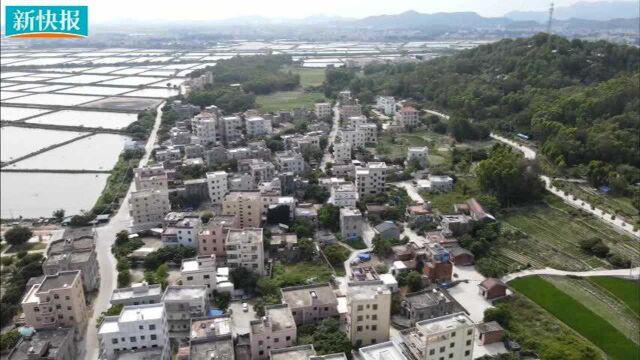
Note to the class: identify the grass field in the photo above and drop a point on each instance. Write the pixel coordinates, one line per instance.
(601, 302)
(551, 235)
(614, 204)
(537, 330)
(288, 100)
(301, 273)
(628, 291)
(310, 76)
(578, 317)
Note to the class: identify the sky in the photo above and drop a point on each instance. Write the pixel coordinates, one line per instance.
(105, 11)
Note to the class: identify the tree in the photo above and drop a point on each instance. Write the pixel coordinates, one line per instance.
(124, 278)
(58, 215)
(303, 228)
(326, 337)
(206, 216)
(414, 281)
(509, 177)
(381, 246)
(306, 250)
(499, 314)
(336, 254)
(18, 235)
(9, 339)
(244, 279)
(329, 217)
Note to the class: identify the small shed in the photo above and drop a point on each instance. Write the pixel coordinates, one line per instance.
(492, 288)
(489, 333)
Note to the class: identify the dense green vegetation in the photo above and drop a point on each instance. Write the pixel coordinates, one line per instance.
(257, 75)
(536, 330)
(118, 182)
(141, 128)
(326, 338)
(288, 100)
(628, 291)
(9, 339)
(18, 235)
(15, 278)
(577, 316)
(578, 99)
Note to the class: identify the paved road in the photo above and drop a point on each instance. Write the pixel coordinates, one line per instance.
(332, 138)
(106, 235)
(616, 223)
(433, 112)
(411, 191)
(624, 273)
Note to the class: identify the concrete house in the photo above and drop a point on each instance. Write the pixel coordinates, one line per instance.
(310, 303)
(387, 230)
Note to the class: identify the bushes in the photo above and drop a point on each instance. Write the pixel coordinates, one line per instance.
(595, 246)
(9, 339)
(124, 246)
(26, 267)
(18, 235)
(174, 254)
(118, 182)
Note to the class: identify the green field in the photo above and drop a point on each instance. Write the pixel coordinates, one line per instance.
(584, 321)
(288, 100)
(26, 247)
(310, 76)
(549, 233)
(620, 205)
(601, 302)
(301, 273)
(628, 291)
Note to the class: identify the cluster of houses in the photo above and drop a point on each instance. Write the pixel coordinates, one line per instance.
(263, 185)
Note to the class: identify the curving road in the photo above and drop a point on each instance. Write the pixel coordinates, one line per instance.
(633, 273)
(616, 223)
(105, 237)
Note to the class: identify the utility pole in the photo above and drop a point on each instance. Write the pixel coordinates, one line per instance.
(550, 19)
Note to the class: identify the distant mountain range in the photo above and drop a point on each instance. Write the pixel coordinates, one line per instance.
(414, 19)
(601, 11)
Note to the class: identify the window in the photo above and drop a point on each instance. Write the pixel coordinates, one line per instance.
(359, 317)
(261, 352)
(359, 328)
(374, 317)
(468, 342)
(375, 306)
(56, 296)
(152, 327)
(442, 349)
(132, 339)
(141, 327)
(453, 334)
(114, 341)
(260, 342)
(469, 332)
(466, 353)
(360, 307)
(452, 344)
(288, 338)
(374, 327)
(142, 337)
(451, 356)
(432, 351)
(153, 337)
(276, 340)
(70, 317)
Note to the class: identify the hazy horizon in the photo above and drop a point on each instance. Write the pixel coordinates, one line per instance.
(114, 11)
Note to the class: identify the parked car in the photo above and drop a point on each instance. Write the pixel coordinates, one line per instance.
(245, 307)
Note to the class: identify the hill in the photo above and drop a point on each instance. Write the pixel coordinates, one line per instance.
(600, 10)
(579, 99)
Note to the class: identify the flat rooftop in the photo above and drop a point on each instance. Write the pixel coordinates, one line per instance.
(184, 293)
(350, 212)
(383, 351)
(426, 298)
(136, 290)
(132, 313)
(280, 317)
(444, 323)
(302, 352)
(52, 339)
(212, 350)
(62, 279)
(303, 296)
(247, 236)
(214, 327)
(367, 291)
(140, 354)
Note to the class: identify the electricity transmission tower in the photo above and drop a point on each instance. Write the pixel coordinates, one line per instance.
(550, 19)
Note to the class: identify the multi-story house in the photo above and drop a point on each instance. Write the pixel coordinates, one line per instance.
(346, 111)
(369, 132)
(152, 177)
(137, 294)
(368, 312)
(387, 104)
(419, 154)
(344, 195)
(45, 344)
(353, 136)
(213, 234)
(183, 303)
(203, 270)
(275, 330)
(74, 254)
(247, 205)
(408, 116)
(371, 179)
(241, 182)
(57, 301)
(204, 128)
(258, 126)
(289, 161)
(217, 185)
(232, 127)
(355, 121)
(311, 303)
(342, 151)
(446, 337)
(350, 223)
(245, 248)
(428, 304)
(138, 330)
(148, 208)
(323, 110)
(211, 339)
(184, 232)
